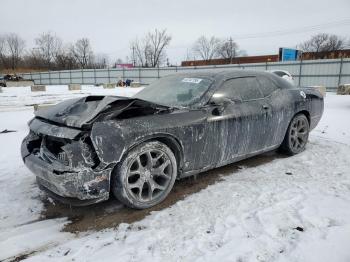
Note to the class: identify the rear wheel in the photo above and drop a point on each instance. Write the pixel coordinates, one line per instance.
(145, 176)
(297, 135)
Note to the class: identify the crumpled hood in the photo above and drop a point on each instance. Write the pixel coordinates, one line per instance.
(81, 112)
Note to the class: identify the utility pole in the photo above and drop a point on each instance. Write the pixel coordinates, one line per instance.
(133, 56)
(231, 47)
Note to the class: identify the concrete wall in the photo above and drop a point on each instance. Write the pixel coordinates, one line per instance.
(72, 87)
(109, 85)
(19, 83)
(38, 88)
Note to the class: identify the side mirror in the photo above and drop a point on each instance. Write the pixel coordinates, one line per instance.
(221, 100)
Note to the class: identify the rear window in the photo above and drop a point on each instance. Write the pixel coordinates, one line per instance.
(280, 73)
(267, 86)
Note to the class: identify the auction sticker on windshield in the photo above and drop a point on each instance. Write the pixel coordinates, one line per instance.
(192, 80)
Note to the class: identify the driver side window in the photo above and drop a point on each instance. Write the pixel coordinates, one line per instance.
(242, 88)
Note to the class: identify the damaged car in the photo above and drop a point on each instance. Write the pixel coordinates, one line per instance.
(84, 150)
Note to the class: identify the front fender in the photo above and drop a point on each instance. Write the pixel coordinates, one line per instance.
(111, 140)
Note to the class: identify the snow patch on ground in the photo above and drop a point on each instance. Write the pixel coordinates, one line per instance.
(18, 190)
(32, 237)
(21, 228)
(253, 215)
(335, 122)
(14, 97)
(258, 213)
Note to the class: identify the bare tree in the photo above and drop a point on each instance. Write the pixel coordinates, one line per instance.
(2, 44)
(323, 43)
(228, 49)
(207, 48)
(336, 43)
(65, 59)
(15, 47)
(82, 52)
(48, 47)
(101, 61)
(33, 59)
(140, 52)
(157, 41)
(119, 61)
(49, 53)
(150, 51)
(2, 51)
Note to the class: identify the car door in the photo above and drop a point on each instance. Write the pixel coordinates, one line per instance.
(239, 124)
(278, 114)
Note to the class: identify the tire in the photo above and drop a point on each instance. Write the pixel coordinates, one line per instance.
(296, 136)
(145, 176)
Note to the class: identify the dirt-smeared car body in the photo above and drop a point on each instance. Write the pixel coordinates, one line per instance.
(74, 147)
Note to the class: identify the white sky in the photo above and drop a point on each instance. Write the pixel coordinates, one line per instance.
(112, 24)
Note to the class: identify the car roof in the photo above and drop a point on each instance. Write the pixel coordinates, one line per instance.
(219, 75)
(279, 70)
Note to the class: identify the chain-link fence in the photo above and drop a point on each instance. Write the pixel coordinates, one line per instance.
(330, 73)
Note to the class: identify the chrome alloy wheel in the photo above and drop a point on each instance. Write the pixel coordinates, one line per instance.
(149, 175)
(299, 133)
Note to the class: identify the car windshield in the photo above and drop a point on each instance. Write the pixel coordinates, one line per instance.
(175, 90)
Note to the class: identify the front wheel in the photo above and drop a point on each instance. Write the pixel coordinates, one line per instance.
(145, 176)
(297, 135)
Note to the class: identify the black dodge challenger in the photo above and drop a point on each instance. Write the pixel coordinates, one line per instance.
(81, 150)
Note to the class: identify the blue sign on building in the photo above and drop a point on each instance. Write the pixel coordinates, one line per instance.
(288, 54)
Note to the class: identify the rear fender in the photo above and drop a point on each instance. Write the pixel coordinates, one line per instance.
(310, 101)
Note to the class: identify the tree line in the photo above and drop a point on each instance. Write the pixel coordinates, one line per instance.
(210, 48)
(50, 53)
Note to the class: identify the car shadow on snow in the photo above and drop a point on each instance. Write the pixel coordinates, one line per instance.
(111, 213)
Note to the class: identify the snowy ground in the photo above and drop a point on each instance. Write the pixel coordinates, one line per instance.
(289, 209)
(19, 97)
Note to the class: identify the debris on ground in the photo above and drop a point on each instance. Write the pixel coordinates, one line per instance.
(7, 131)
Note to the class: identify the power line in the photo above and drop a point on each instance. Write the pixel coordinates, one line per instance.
(294, 30)
(297, 30)
(343, 22)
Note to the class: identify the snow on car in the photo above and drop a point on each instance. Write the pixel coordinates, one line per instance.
(82, 149)
(284, 74)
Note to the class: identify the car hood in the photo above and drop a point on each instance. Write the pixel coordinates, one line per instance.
(83, 112)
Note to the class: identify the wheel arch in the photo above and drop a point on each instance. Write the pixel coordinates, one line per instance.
(169, 140)
(304, 112)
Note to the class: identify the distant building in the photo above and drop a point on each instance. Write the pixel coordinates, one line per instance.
(267, 58)
(327, 55)
(124, 65)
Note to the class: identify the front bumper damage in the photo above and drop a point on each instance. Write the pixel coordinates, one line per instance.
(65, 164)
